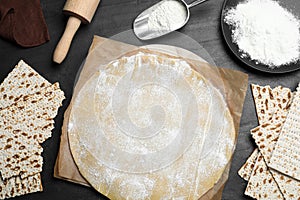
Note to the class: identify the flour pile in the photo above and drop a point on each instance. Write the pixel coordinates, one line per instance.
(265, 31)
(169, 15)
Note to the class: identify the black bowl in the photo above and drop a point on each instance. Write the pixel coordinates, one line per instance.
(226, 30)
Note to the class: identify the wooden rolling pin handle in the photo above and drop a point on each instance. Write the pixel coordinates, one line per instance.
(64, 44)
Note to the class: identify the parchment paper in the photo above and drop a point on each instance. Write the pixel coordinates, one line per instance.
(235, 86)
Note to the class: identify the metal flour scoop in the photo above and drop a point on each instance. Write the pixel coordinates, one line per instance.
(162, 18)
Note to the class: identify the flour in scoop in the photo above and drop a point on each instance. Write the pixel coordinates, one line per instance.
(265, 31)
(169, 15)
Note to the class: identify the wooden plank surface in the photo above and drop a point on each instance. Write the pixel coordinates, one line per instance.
(113, 17)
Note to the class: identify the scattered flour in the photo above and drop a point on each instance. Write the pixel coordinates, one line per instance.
(169, 15)
(265, 31)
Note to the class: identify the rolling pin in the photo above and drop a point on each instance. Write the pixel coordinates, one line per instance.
(80, 11)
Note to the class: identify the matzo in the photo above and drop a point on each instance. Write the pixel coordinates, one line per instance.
(261, 184)
(28, 104)
(15, 156)
(15, 186)
(267, 102)
(43, 106)
(290, 187)
(21, 81)
(18, 145)
(285, 157)
(247, 168)
(35, 111)
(267, 135)
(27, 166)
(263, 97)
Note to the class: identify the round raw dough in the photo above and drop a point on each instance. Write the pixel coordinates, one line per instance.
(150, 127)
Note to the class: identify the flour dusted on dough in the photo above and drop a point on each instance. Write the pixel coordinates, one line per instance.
(265, 31)
(154, 78)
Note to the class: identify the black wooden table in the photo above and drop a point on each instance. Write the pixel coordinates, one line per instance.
(112, 17)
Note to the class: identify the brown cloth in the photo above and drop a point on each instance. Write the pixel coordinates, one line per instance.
(22, 21)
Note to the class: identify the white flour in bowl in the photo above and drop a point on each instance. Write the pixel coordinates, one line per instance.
(265, 31)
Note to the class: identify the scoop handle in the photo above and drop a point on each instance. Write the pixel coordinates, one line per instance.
(196, 3)
(64, 44)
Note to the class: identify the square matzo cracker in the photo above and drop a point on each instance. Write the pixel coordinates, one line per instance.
(286, 156)
(24, 131)
(15, 186)
(261, 184)
(21, 81)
